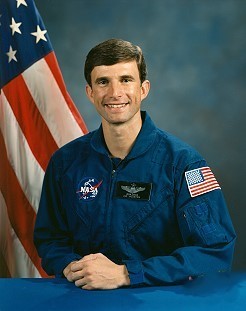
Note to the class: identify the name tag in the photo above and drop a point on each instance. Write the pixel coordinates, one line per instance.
(133, 190)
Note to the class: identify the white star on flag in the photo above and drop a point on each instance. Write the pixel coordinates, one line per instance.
(11, 54)
(15, 27)
(19, 2)
(39, 34)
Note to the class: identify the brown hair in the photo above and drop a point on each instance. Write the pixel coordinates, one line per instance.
(111, 52)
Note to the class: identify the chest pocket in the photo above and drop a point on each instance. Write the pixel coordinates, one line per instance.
(201, 226)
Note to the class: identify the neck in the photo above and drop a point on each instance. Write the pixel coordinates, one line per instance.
(120, 138)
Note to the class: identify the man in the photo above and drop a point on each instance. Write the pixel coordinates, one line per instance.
(129, 204)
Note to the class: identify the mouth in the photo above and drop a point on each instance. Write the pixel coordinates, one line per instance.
(116, 105)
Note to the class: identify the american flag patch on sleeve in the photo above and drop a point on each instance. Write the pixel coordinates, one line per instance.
(201, 180)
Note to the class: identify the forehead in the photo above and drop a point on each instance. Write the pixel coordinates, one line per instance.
(116, 70)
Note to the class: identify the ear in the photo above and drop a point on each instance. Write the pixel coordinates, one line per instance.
(145, 87)
(89, 93)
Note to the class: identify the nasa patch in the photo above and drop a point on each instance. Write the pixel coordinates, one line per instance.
(88, 189)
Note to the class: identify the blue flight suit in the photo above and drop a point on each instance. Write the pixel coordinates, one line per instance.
(137, 211)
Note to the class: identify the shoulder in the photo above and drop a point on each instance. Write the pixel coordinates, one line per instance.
(178, 152)
(169, 145)
(75, 149)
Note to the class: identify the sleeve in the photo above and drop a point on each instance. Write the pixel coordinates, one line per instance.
(51, 236)
(208, 239)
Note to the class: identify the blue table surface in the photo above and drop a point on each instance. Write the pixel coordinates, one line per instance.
(216, 292)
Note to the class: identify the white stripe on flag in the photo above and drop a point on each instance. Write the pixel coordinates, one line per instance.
(12, 249)
(51, 103)
(28, 171)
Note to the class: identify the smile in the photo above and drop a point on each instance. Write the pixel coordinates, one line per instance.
(116, 106)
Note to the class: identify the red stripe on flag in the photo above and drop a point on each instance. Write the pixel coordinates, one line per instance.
(51, 60)
(30, 120)
(206, 188)
(20, 212)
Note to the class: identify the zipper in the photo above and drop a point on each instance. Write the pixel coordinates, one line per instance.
(108, 208)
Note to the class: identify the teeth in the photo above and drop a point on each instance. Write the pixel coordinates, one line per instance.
(116, 106)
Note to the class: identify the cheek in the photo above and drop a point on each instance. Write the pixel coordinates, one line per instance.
(134, 92)
(138, 96)
(97, 96)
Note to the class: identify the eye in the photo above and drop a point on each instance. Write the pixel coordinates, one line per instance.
(102, 81)
(126, 79)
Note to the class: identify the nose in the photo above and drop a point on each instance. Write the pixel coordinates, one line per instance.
(115, 89)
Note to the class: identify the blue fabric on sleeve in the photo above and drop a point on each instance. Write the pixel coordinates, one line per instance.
(135, 270)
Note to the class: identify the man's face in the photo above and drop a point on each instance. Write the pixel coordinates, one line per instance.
(117, 92)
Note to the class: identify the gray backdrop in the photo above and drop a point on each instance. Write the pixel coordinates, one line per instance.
(195, 52)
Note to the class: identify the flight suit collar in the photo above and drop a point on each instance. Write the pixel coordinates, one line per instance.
(144, 141)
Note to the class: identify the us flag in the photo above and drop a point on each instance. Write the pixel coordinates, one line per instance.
(37, 116)
(201, 181)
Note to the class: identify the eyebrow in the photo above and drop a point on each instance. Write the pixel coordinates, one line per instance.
(127, 77)
(121, 77)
